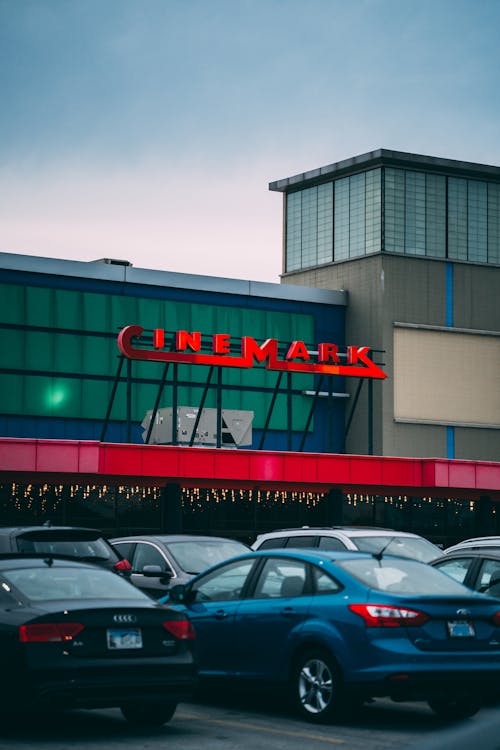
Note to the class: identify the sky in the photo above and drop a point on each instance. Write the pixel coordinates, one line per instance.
(149, 130)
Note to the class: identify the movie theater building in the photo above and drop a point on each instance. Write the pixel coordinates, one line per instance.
(364, 389)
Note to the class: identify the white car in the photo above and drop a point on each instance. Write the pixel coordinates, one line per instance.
(361, 538)
(479, 542)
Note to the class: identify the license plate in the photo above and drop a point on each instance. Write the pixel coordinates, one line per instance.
(460, 629)
(119, 638)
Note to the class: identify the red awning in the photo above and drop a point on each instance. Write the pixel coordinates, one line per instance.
(72, 461)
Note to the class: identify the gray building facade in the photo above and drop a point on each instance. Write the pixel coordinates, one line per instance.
(415, 241)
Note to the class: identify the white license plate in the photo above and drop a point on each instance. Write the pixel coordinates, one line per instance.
(119, 638)
(461, 629)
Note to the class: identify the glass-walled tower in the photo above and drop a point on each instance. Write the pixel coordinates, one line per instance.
(392, 209)
(415, 241)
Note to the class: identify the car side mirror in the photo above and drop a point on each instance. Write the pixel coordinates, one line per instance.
(155, 571)
(181, 594)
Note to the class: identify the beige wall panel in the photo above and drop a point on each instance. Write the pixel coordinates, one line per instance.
(446, 377)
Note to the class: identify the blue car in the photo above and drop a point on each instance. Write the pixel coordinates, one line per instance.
(337, 628)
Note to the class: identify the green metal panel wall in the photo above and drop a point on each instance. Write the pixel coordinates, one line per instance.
(44, 358)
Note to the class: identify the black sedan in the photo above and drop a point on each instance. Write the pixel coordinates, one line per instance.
(478, 569)
(74, 635)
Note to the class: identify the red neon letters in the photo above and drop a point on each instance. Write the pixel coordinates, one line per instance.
(297, 359)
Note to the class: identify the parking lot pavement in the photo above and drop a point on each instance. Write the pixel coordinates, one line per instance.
(240, 723)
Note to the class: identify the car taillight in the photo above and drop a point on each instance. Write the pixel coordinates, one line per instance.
(182, 629)
(49, 632)
(386, 616)
(123, 566)
(496, 618)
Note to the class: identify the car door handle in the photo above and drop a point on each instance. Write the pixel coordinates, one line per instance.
(288, 612)
(220, 614)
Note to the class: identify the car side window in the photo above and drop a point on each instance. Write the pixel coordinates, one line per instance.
(456, 568)
(331, 542)
(489, 578)
(323, 583)
(125, 549)
(305, 541)
(274, 543)
(224, 584)
(146, 554)
(280, 578)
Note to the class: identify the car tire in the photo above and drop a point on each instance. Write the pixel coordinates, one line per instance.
(454, 709)
(150, 714)
(317, 686)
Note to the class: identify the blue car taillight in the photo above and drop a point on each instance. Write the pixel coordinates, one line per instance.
(387, 616)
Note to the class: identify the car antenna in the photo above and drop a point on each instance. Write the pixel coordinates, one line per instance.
(379, 555)
(48, 523)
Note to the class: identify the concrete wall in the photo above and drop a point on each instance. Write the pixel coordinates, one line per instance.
(385, 289)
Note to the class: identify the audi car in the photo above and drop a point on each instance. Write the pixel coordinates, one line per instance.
(332, 629)
(74, 635)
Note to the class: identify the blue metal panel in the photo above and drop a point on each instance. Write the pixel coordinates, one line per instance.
(449, 294)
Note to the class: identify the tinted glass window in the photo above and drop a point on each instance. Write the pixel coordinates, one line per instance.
(281, 578)
(126, 549)
(401, 576)
(147, 554)
(489, 578)
(416, 548)
(275, 543)
(87, 549)
(196, 556)
(224, 583)
(302, 542)
(323, 583)
(44, 584)
(331, 542)
(456, 568)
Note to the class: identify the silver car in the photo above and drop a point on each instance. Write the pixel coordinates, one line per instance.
(164, 560)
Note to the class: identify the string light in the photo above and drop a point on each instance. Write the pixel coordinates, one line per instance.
(29, 503)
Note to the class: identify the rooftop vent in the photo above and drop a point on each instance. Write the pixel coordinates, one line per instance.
(112, 261)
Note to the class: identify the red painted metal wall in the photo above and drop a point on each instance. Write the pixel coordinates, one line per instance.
(67, 461)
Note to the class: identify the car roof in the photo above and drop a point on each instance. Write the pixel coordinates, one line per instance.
(174, 538)
(350, 531)
(13, 530)
(480, 539)
(494, 554)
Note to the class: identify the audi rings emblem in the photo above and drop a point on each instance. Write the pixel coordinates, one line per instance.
(125, 619)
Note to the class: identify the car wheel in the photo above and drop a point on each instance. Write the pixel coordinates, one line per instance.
(150, 714)
(318, 691)
(454, 708)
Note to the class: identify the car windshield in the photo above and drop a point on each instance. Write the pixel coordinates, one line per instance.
(194, 556)
(400, 576)
(406, 546)
(88, 549)
(68, 583)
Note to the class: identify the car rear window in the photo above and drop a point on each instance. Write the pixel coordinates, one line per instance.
(71, 583)
(400, 576)
(92, 548)
(416, 548)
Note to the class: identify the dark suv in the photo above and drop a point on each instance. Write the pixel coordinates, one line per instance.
(71, 541)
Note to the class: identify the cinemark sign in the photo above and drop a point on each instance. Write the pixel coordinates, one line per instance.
(297, 359)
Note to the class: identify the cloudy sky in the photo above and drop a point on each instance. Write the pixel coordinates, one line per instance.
(149, 130)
